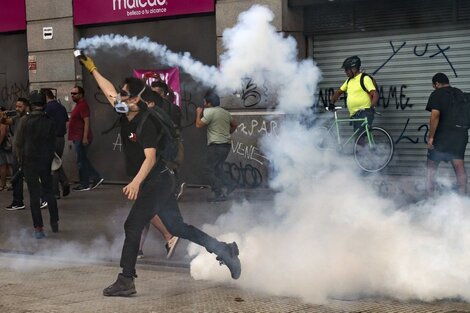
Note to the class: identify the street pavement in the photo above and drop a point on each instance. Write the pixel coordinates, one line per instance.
(67, 271)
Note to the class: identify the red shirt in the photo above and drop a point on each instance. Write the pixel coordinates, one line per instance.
(77, 124)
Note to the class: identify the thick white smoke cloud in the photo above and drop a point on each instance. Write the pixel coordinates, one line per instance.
(328, 233)
(253, 49)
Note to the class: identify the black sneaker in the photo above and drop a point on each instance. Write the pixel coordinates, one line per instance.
(43, 204)
(123, 287)
(96, 183)
(81, 188)
(229, 257)
(15, 207)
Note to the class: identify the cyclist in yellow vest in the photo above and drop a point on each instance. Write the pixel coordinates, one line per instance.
(360, 103)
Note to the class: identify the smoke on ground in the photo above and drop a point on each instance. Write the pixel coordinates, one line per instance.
(328, 233)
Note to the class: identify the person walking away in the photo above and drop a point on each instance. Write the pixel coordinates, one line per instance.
(17, 181)
(58, 113)
(446, 143)
(35, 146)
(220, 125)
(361, 102)
(81, 136)
(152, 184)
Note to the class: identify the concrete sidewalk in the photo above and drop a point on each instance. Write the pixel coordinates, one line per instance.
(67, 271)
(49, 286)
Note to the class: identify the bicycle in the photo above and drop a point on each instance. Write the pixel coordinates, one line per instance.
(373, 147)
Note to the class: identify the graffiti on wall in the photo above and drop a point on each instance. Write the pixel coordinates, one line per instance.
(430, 50)
(9, 93)
(396, 97)
(389, 97)
(247, 165)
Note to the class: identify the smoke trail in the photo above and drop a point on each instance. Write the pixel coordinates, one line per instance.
(328, 233)
(253, 49)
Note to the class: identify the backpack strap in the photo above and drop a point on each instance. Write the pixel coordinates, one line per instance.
(363, 85)
(361, 81)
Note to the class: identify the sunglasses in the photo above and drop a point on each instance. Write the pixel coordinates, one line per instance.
(124, 93)
(74, 93)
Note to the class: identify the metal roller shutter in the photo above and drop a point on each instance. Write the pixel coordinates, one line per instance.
(403, 65)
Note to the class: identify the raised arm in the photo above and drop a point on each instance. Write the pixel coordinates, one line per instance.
(106, 86)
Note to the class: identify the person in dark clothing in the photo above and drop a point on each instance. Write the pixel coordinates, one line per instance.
(445, 142)
(167, 104)
(22, 109)
(58, 113)
(35, 146)
(152, 185)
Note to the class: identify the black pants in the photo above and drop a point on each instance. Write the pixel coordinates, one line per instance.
(157, 196)
(216, 155)
(38, 177)
(369, 113)
(17, 183)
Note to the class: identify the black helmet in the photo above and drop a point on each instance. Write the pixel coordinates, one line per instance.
(37, 98)
(351, 62)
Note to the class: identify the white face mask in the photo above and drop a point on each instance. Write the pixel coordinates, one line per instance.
(121, 107)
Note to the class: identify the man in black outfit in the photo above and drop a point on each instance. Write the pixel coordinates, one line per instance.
(445, 142)
(152, 185)
(58, 113)
(35, 146)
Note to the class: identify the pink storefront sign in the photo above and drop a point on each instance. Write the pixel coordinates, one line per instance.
(171, 76)
(12, 15)
(104, 11)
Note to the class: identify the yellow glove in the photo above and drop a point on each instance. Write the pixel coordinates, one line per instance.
(88, 63)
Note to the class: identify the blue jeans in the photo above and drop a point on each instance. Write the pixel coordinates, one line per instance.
(85, 168)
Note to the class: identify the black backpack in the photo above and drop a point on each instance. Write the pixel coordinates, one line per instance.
(171, 152)
(459, 109)
(173, 111)
(363, 86)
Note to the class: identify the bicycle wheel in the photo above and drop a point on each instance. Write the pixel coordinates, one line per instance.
(374, 156)
(324, 139)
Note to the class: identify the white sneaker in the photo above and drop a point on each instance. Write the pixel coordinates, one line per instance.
(170, 246)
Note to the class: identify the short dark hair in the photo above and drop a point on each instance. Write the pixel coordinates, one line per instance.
(135, 85)
(161, 84)
(152, 96)
(440, 78)
(212, 98)
(24, 100)
(80, 89)
(48, 92)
